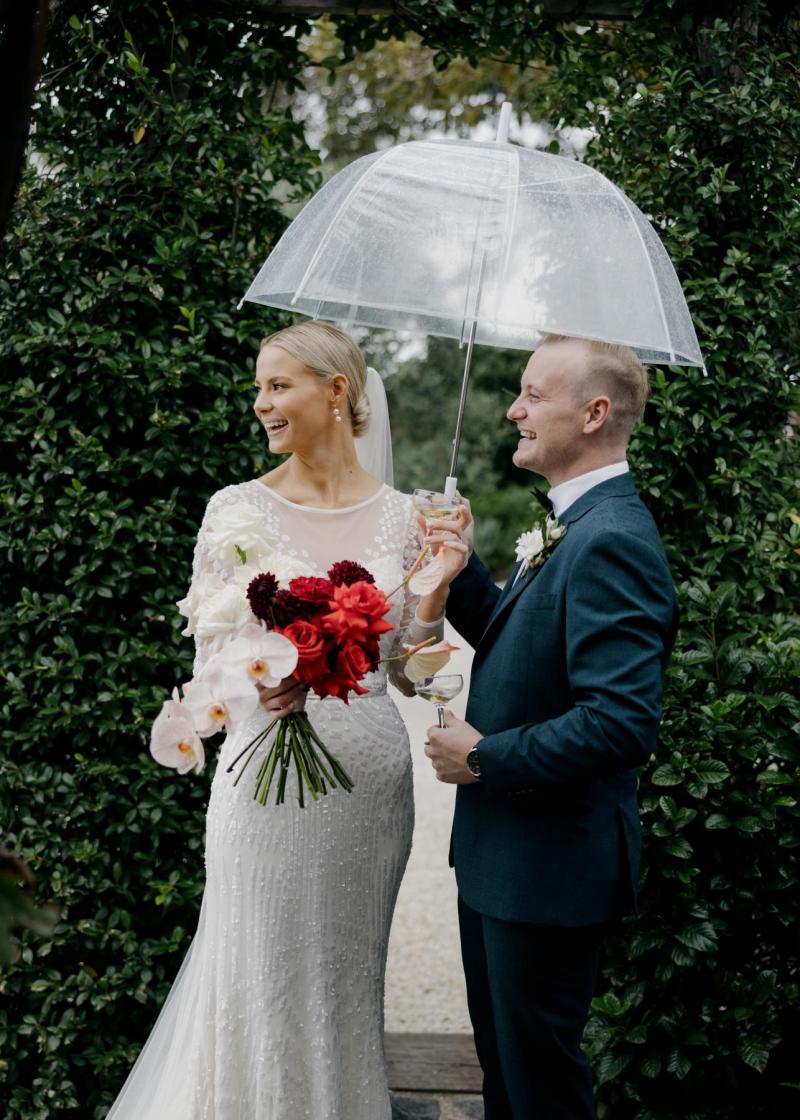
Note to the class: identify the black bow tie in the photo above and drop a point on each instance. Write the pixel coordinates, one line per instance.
(543, 499)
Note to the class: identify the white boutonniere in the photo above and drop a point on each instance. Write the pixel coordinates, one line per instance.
(535, 546)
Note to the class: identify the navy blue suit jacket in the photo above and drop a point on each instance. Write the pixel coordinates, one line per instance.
(566, 688)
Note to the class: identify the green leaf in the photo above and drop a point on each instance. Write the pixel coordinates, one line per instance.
(679, 1064)
(665, 776)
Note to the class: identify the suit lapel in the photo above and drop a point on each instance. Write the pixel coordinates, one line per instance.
(620, 487)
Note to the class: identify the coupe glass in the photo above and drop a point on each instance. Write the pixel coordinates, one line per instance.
(436, 506)
(440, 690)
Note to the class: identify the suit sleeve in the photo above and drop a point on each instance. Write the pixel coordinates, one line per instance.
(621, 619)
(473, 597)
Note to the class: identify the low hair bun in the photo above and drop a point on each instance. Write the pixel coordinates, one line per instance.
(361, 416)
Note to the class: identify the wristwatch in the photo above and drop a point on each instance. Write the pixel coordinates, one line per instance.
(473, 763)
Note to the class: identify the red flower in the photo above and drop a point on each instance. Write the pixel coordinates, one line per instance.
(334, 684)
(348, 572)
(261, 592)
(357, 612)
(312, 590)
(314, 649)
(353, 661)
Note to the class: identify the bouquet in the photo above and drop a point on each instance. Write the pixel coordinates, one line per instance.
(271, 624)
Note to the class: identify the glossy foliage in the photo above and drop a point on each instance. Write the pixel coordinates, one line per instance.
(160, 176)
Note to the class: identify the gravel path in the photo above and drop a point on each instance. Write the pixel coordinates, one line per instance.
(424, 982)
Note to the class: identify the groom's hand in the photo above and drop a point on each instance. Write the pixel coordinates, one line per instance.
(447, 747)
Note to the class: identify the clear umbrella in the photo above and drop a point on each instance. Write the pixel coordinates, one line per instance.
(484, 242)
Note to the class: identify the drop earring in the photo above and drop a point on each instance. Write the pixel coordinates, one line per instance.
(337, 415)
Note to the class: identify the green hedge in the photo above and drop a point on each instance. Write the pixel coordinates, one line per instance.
(167, 160)
(162, 177)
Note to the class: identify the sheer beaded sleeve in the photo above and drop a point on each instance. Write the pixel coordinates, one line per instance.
(207, 577)
(410, 631)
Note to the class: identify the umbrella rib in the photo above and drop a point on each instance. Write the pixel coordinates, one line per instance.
(510, 224)
(668, 337)
(327, 234)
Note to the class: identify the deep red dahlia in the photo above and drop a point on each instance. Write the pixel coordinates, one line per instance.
(347, 572)
(287, 608)
(261, 593)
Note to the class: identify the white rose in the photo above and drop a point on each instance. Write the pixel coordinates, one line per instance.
(239, 526)
(222, 616)
(529, 545)
(286, 568)
(199, 591)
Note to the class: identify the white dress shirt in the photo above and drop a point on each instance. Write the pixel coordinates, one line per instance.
(563, 495)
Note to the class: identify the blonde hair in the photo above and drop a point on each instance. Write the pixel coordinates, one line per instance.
(616, 371)
(326, 351)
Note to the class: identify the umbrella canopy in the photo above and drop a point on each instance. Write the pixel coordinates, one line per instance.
(489, 242)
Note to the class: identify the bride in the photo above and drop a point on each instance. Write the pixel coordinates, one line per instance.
(277, 1010)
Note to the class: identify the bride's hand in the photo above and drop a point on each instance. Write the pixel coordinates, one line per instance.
(287, 697)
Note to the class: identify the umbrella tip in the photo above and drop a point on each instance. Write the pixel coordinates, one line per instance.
(503, 123)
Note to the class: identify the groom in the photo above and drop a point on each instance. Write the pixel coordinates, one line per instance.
(563, 709)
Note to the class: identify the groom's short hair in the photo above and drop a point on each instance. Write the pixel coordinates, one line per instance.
(616, 372)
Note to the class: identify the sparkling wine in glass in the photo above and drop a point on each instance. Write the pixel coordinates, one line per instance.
(440, 690)
(436, 506)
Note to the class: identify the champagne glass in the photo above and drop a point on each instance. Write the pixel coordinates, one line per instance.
(439, 690)
(435, 506)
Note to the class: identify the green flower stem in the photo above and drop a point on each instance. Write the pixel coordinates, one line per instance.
(255, 744)
(339, 771)
(303, 773)
(296, 742)
(286, 758)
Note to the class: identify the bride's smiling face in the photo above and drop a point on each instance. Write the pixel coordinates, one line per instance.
(293, 403)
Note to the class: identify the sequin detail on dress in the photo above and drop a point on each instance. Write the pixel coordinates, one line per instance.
(277, 1011)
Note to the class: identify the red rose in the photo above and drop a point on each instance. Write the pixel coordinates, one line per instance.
(357, 612)
(313, 648)
(313, 590)
(353, 661)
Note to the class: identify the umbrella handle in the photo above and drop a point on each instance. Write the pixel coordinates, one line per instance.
(450, 487)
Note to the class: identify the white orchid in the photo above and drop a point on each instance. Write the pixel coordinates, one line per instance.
(219, 699)
(222, 616)
(173, 739)
(238, 534)
(264, 657)
(200, 590)
(426, 660)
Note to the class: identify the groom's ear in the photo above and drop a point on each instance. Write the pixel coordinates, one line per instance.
(598, 410)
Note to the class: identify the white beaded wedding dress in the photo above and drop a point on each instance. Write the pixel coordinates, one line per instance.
(277, 1010)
